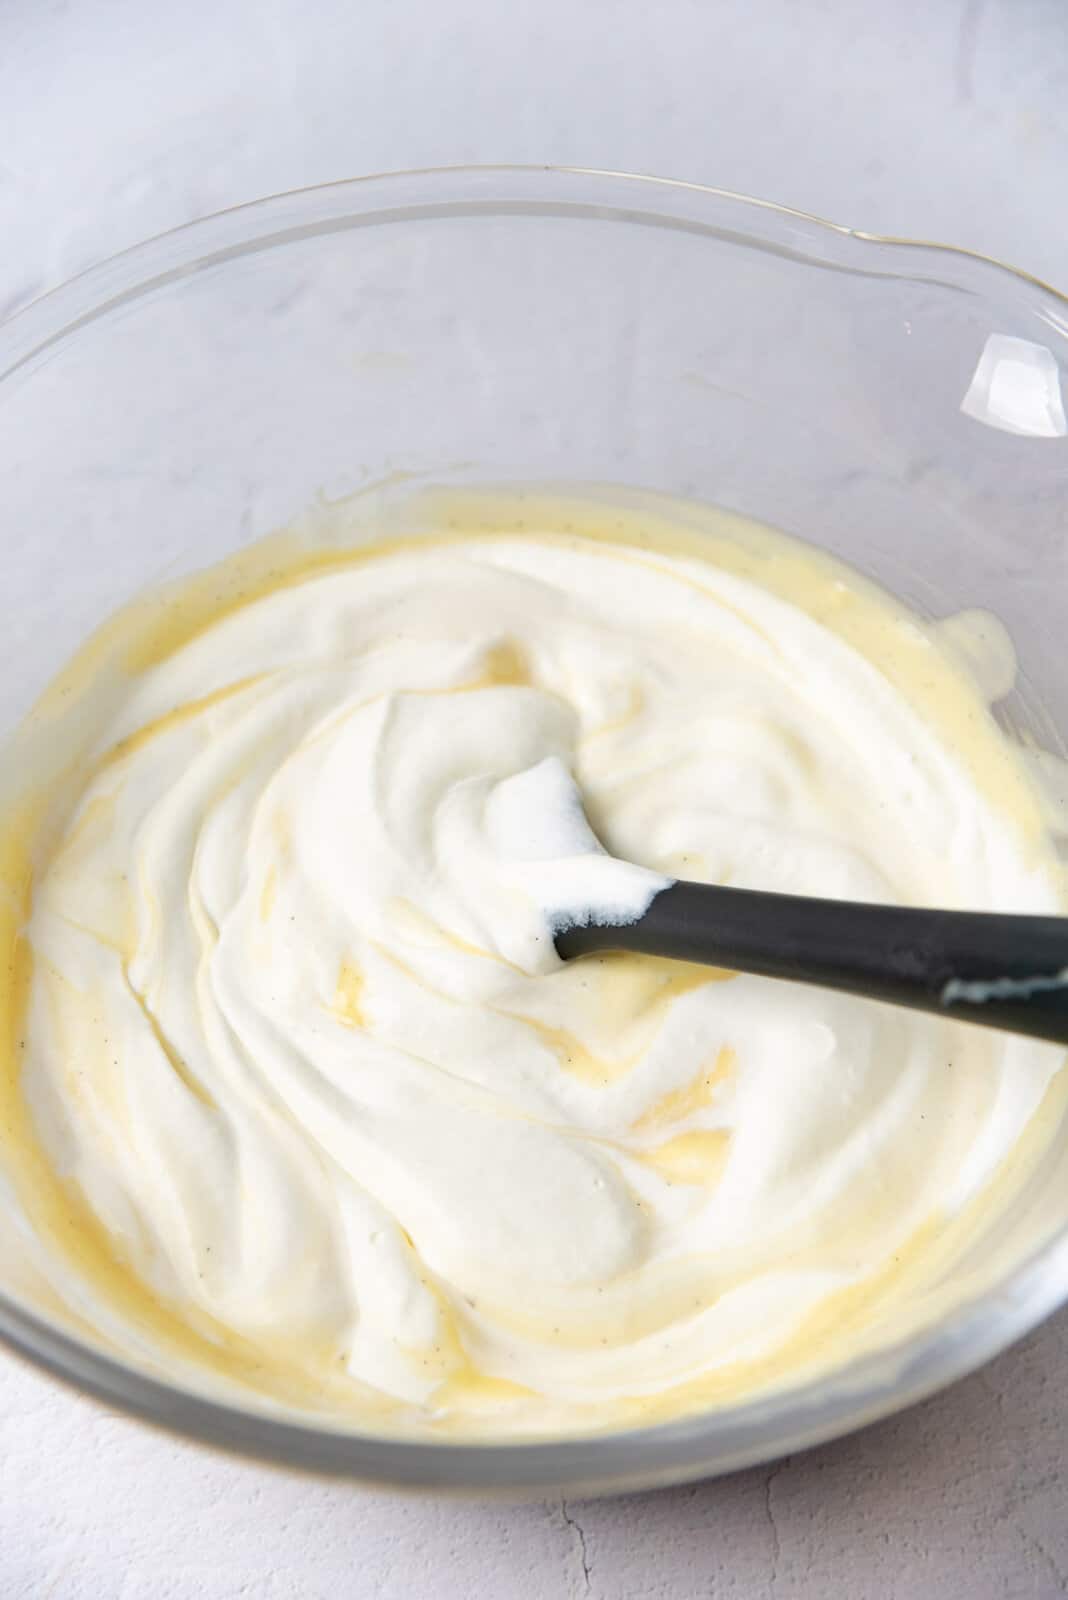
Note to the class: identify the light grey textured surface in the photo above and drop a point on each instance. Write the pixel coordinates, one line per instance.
(938, 118)
(928, 117)
(962, 1498)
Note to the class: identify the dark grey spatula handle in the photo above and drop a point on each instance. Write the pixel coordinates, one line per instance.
(1007, 972)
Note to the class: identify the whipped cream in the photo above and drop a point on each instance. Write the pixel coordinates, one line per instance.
(297, 1036)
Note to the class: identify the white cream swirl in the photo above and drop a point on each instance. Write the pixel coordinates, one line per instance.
(298, 1033)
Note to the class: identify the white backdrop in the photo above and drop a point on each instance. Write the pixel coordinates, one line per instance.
(943, 119)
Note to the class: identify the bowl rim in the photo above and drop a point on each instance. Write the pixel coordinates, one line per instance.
(704, 1444)
(28, 330)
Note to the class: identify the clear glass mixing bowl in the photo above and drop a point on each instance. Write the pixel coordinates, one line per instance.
(899, 403)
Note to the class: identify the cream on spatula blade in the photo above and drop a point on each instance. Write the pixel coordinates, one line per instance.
(1001, 971)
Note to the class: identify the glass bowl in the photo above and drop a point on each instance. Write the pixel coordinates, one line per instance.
(898, 403)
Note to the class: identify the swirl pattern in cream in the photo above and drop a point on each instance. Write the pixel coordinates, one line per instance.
(297, 1033)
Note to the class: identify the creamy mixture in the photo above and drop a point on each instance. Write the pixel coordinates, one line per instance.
(339, 1123)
